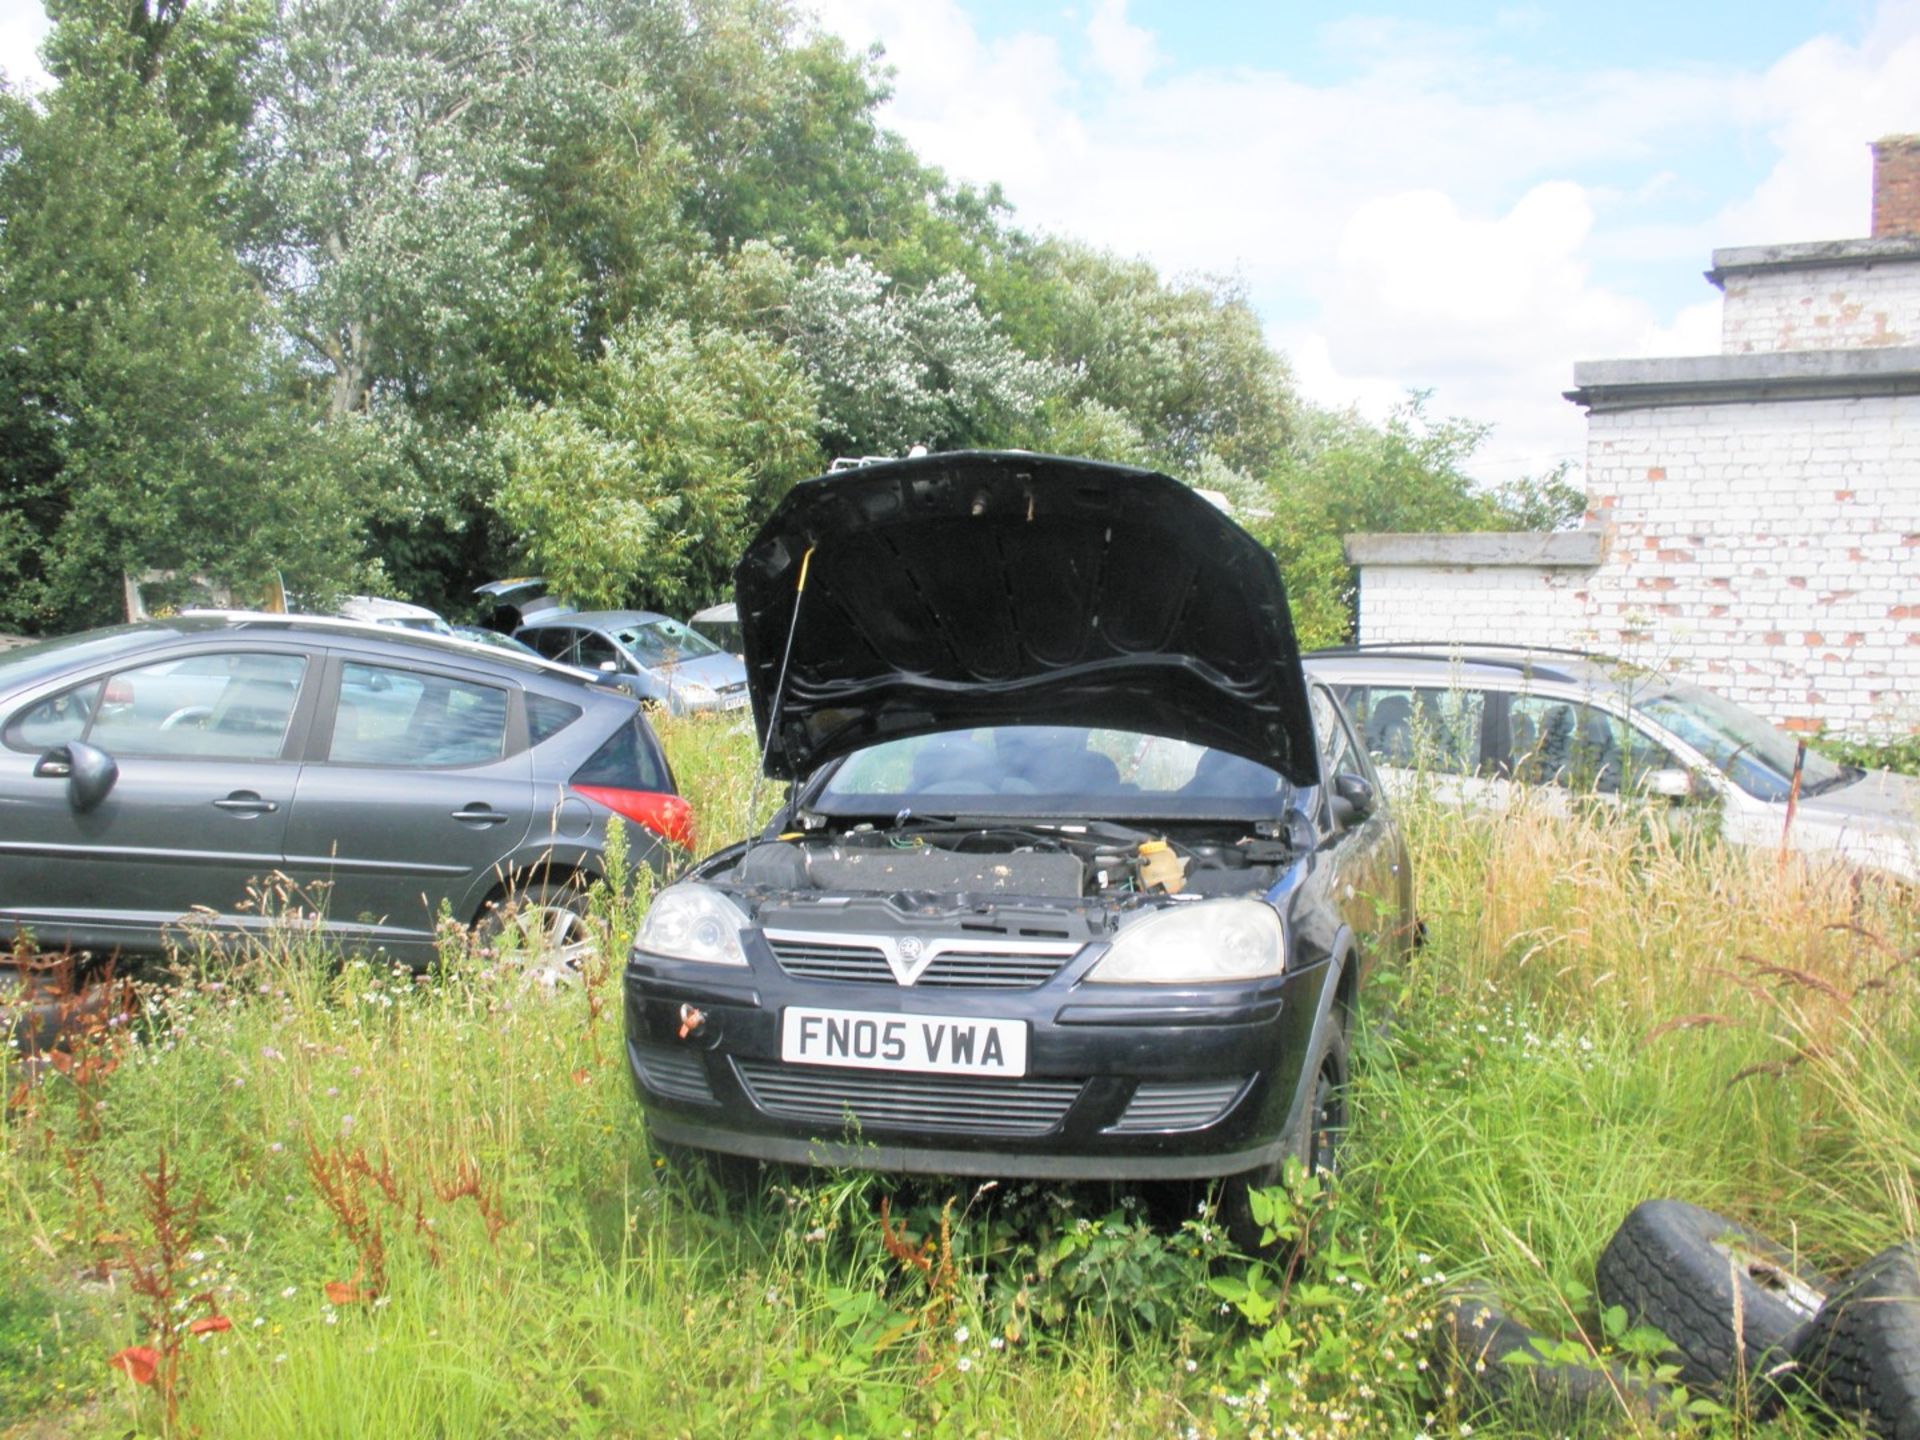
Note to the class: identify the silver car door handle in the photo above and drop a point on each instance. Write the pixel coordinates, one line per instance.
(245, 802)
(479, 815)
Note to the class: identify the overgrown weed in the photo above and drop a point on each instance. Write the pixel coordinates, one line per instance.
(1607, 1011)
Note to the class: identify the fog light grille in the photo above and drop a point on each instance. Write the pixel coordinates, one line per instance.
(1160, 1106)
(676, 1072)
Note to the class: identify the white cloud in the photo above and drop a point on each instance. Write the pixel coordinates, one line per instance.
(23, 25)
(1821, 105)
(1122, 51)
(1432, 221)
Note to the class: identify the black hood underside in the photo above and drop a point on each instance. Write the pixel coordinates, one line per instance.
(992, 588)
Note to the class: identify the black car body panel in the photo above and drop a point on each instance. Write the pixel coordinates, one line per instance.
(992, 588)
(387, 775)
(1050, 718)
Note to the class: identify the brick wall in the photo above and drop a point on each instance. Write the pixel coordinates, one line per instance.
(1896, 185)
(1512, 604)
(1840, 308)
(1771, 550)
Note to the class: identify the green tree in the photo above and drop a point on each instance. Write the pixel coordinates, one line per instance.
(1345, 475)
(644, 485)
(1186, 364)
(897, 367)
(390, 138)
(145, 417)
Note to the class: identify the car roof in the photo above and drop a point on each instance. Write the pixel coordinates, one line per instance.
(1489, 662)
(595, 619)
(456, 646)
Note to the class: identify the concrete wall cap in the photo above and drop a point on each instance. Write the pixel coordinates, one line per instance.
(1724, 379)
(1814, 255)
(1536, 549)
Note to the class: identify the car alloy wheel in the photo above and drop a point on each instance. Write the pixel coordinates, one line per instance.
(545, 936)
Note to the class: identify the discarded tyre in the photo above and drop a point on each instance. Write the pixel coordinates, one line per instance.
(1716, 1289)
(1476, 1337)
(48, 1002)
(1863, 1352)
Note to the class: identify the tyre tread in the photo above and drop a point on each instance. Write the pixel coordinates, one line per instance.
(1662, 1268)
(1863, 1350)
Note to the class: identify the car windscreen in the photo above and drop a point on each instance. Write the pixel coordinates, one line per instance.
(1742, 746)
(665, 642)
(1053, 771)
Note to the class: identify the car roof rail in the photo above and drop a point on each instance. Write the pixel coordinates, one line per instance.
(1388, 647)
(1497, 654)
(855, 462)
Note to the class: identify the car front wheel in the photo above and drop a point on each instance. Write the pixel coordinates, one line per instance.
(1317, 1139)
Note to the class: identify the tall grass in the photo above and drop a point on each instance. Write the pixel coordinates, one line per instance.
(427, 1205)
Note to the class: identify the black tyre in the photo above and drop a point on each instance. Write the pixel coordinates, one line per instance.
(1317, 1138)
(1862, 1354)
(54, 1005)
(1535, 1396)
(1688, 1272)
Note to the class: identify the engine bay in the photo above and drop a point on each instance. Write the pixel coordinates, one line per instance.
(1100, 860)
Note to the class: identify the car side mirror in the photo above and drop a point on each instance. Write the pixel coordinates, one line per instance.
(1670, 784)
(88, 770)
(1352, 798)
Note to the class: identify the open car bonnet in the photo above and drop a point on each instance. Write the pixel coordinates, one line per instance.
(991, 588)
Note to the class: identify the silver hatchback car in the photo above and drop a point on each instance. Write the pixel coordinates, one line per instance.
(667, 661)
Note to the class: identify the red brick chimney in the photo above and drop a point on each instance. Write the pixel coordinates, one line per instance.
(1896, 185)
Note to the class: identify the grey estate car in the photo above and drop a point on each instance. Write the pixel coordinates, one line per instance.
(154, 771)
(1078, 875)
(668, 662)
(1479, 719)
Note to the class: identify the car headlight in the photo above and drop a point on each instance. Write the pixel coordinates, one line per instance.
(1215, 940)
(693, 693)
(694, 922)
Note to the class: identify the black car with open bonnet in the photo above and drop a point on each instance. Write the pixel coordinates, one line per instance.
(1076, 877)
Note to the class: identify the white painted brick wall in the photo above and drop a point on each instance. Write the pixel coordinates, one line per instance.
(1850, 307)
(1518, 605)
(1771, 550)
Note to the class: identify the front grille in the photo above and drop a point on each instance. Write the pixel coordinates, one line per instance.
(838, 1099)
(1160, 1106)
(957, 969)
(961, 964)
(676, 1072)
(831, 960)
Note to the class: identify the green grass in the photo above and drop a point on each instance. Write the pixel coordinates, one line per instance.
(1603, 1014)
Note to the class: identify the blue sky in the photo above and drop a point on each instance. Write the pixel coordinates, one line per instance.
(1452, 198)
(1416, 195)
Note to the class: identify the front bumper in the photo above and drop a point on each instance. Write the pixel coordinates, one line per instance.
(1122, 1082)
